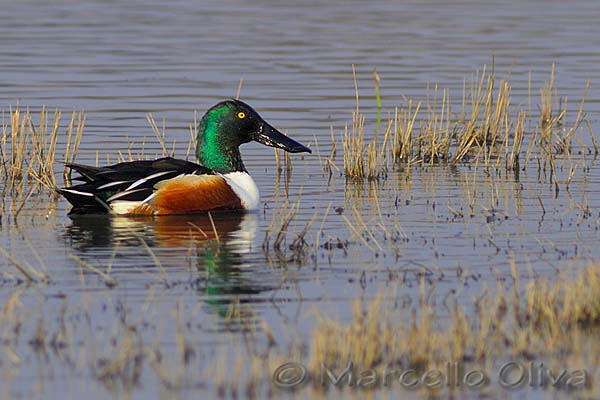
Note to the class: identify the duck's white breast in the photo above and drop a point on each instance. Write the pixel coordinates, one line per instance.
(244, 187)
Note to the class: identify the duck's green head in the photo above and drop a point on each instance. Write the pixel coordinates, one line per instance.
(229, 124)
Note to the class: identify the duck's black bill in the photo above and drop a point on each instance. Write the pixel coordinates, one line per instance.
(270, 136)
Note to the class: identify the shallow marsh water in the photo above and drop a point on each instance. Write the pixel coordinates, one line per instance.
(460, 227)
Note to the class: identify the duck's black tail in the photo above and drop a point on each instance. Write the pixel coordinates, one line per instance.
(88, 173)
(132, 180)
(83, 202)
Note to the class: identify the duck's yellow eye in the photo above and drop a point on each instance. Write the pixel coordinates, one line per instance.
(241, 115)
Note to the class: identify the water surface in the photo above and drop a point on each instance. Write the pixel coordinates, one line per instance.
(461, 226)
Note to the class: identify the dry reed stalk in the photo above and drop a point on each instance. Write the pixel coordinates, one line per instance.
(43, 148)
(548, 124)
(214, 228)
(109, 281)
(377, 80)
(353, 150)
(3, 155)
(239, 88)
(288, 165)
(120, 157)
(193, 136)
(161, 136)
(18, 146)
(485, 131)
(299, 244)
(435, 141)
(546, 119)
(155, 259)
(22, 205)
(404, 123)
(278, 161)
(328, 164)
(10, 318)
(515, 152)
(76, 125)
(356, 232)
(30, 273)
(320, 231)
(286, 216)
(496, 124)
(468, 136)
(333, 152)
(279, 226)
(362, 161)
(563, 143)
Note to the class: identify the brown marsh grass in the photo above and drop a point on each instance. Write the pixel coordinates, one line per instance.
(538, 321)
(490, 131)
(363, 160)
(28, 150)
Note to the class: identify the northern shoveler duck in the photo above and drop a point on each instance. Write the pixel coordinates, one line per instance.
(171, 186)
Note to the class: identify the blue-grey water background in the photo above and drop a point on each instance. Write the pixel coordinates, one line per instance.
(118, 61)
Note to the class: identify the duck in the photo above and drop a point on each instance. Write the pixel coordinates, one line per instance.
(169, 186)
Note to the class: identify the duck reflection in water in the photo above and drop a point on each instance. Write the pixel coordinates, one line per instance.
(96, 231)
(219, 245)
